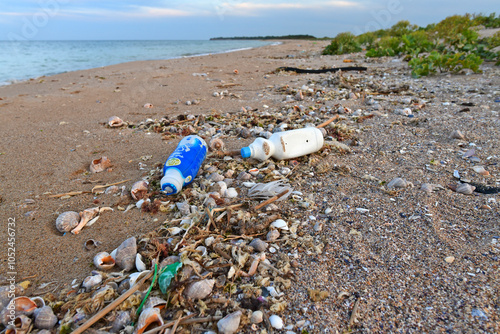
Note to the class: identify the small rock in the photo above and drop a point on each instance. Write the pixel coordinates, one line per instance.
(457, 135)
(256, 317)
(449, 259)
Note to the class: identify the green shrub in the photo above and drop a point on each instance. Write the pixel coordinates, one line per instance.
(436, 61)
(344, 42)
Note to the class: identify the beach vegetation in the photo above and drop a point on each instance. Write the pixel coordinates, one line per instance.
(452, 45)
(344, 42)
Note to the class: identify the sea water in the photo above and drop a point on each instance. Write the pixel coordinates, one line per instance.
(22, 60)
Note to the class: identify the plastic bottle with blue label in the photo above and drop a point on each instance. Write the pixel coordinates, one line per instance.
(183, 164)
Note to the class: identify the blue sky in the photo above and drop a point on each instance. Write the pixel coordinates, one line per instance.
(198, 19)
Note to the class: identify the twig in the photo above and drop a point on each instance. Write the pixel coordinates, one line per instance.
(184, 236)
(210, 219)
(322, 125)
(234, 206)
(174, 328)
(183, 321)
(354, 312)
(110, 184)
(71, 193)
(272, 199)
(111, 306)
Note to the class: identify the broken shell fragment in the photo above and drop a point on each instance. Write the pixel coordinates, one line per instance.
(231, 193)
(230, 323)
(67, 221)
(104, 261)
(90, 281)
(481, 170)
(280, 224)
(85, 216)
(429, 187)
(99, 165)
(115, 122)
(272, 235)
(139, 190)
(157, 302)
(139, 264)
(149, 319)
(21, 323)
(126, 254)
(457, 134)
(200, 289)
(259, 245)
(398, 183)
(121, 320)
(45, 318)
(216, 144)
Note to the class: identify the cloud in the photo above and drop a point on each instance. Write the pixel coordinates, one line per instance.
(255, 8)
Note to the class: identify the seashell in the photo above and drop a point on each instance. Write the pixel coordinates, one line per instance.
(139, 190)
(200, 289)
(99, 165)
(139, 264)
(280, 224)
(149, 319)
(229, 174)
(429, 187)
(481, 170)
(85, 216)
(465, 189)
(24, 305)
(456, 174)
(259, 245)
(257, 317)
(126, 253)
(104, 261)
(21, 323)
(157, 302)
(457, 135)
(245, 133)
(397, 183)
(216, 144)
(230, 323)
(90, 281)
(272, 235)
(115, 121)
(276, 321)
(231, 193)
(244, 176)
(249, 184)
(111, 190)
(215, 177)
(67, 221)
(136, 277)
(220, 187)
(254, 171)
(45, 318)
(121, 320)
(202, 250)
(148, 105)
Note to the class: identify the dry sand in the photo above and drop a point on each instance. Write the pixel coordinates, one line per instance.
(387, 264)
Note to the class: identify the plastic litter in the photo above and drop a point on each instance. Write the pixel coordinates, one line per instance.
(285, 145)
(183, 164)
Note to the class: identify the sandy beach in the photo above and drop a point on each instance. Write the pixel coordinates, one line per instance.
(381, 259)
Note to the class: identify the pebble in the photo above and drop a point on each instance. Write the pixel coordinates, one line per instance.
(449, 259)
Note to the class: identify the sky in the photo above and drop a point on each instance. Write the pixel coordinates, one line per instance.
(203, 19)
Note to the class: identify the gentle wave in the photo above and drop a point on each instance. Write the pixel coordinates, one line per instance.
(32, 59)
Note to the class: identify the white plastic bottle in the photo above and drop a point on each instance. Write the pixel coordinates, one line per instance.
(285, 145)
(183, 164)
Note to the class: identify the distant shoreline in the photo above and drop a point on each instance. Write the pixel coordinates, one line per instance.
(264, 38)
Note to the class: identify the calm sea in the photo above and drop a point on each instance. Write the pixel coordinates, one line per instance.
(31, 59)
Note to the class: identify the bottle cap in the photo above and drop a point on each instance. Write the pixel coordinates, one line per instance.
(246, 152)
(172, 182)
